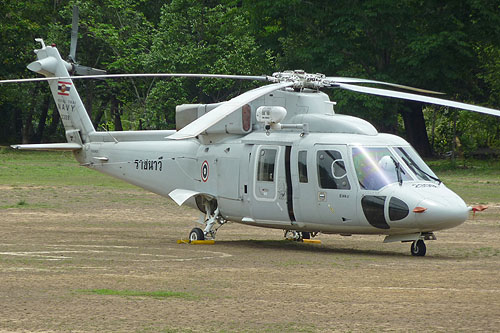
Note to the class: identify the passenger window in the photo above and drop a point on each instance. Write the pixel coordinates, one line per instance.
(265, 168)
(332, 173)
(303, 166)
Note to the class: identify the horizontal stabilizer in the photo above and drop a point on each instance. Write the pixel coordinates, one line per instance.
(49, 146)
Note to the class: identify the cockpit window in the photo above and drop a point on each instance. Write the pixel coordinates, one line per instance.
(415, 163)
(332, 173)
(377, 167)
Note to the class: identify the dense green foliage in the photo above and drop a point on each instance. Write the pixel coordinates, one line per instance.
(453, 47)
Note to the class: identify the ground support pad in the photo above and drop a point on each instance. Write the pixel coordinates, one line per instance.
(196, 242)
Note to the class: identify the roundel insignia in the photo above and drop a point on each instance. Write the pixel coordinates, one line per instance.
(204, 171)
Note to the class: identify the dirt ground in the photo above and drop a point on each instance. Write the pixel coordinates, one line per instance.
(60, 246)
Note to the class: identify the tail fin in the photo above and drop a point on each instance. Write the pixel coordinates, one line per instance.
(75, 119)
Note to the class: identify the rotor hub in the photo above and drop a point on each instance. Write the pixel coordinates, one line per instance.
(300, 79)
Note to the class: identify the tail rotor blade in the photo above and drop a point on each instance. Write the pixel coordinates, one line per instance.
(87, 71)
(74, 34)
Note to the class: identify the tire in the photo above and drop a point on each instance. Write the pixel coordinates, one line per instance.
(306, 235)
(418, 248)
(196, 234)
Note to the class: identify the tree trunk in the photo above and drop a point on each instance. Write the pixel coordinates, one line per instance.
(433, 132)
(115, 111)
(98, 117)
(89, 98)
(416, 132)
(51, 131)
(27, 127)
(37, 137)
(18, 124)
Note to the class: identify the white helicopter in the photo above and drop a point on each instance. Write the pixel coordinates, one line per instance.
(277, 156)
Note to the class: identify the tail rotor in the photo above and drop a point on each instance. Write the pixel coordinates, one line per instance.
(78, 69)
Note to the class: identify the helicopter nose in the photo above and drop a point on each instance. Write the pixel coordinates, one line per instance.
(441, 213)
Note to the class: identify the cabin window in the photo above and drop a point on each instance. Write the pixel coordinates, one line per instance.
(265, 167)
(332, 173)
(303, 166)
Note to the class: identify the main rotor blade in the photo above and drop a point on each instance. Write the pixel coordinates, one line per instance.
(419, 98)
(113, 76)
(74, 34)
(356, 80)
(211, 118)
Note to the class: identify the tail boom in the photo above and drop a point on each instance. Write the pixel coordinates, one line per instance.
(75, 119)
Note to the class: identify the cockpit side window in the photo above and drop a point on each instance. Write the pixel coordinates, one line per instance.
(332, 172)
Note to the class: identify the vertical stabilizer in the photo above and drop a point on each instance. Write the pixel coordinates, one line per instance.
(71, 109)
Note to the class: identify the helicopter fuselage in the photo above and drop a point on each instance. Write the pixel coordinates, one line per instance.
(319, 182)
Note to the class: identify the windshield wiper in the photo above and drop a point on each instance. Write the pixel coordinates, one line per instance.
(412, 165)
(422, 171)
(397, 165)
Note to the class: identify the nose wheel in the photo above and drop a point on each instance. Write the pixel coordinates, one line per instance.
(418, 248)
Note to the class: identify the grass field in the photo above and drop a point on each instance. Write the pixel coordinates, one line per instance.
(80, 251)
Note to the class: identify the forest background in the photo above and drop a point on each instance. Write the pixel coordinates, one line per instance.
(447, 46)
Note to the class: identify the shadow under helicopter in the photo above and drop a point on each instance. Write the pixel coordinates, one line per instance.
(278, 245)
(288, 245)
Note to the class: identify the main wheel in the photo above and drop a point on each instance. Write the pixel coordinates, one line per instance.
(418, 248)
(196, 234)
(306, 235)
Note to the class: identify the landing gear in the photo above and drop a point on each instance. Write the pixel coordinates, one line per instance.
(210, 217)
(196, 234)
(298, 236)
(418, 248)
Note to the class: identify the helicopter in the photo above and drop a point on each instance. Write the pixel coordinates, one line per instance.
(277, 156)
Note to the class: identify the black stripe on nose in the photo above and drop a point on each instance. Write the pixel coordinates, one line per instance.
(373, 208)
(398, 209)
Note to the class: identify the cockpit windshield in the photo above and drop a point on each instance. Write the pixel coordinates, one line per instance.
(416, 164)
(376, 167)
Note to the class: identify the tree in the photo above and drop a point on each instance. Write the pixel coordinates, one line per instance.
(114, 35)
(200, 37)
(24, 109)
(428, 44)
